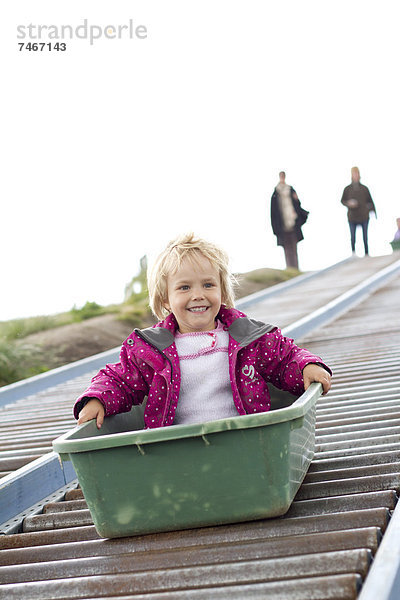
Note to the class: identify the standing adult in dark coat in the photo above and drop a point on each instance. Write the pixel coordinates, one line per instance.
(357, 198)
(287, 218)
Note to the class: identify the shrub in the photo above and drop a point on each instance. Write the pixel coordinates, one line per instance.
(19, 328)
(18, 361)
(88, 310)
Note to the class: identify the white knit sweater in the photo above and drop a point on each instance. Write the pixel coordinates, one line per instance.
(205, 392)
(286, 205)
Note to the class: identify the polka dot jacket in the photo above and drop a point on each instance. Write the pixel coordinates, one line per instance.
(149, 367)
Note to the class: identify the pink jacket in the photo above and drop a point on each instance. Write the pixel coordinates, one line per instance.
(149, 366)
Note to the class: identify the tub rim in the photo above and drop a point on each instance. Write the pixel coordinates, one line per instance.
(68, 443)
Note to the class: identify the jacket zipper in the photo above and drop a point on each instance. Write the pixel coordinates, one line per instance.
(234, 360)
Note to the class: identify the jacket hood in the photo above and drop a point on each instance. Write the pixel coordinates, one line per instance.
(242, 329)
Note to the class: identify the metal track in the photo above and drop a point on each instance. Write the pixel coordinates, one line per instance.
(324, 545)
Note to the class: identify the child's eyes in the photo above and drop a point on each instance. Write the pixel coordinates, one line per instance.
(185, 287)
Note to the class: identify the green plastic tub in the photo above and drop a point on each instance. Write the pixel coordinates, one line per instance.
(243, 468)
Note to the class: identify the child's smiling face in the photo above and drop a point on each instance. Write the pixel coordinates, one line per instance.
(194, 294)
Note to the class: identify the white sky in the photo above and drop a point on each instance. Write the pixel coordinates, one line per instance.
(109, 150)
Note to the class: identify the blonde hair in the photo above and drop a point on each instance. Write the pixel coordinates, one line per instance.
(355, 170)
(169, 261)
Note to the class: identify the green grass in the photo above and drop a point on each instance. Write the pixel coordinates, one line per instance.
(19, 360)
(89, 310)
(17, 329)
(135, 310)
(20, 328)
(270, 277)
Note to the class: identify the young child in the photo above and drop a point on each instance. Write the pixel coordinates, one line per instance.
(204, 360)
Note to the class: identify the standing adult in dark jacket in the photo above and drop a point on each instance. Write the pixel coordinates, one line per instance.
(357, 198)
(287, 217)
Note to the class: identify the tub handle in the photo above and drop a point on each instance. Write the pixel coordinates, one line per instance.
(139, 447)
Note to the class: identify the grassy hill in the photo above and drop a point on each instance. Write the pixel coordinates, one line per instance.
(36, 344)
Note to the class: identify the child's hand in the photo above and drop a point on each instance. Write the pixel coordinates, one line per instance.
(314, 373)
(92, 410)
